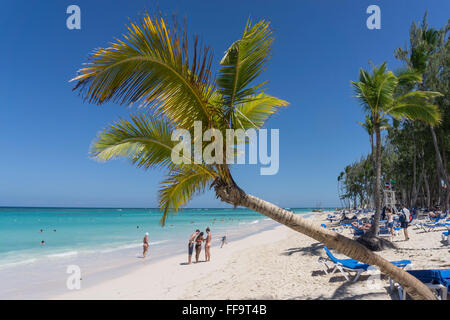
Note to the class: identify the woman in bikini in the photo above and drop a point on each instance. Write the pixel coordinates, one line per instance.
(198, 246)
(208, 244)
(145, 245)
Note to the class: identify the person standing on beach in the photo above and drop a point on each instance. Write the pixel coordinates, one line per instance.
(191, 245)
(208, 245)
(145, 245)
(198, 246)
(404, 221)
(390, 220)
(224, 241)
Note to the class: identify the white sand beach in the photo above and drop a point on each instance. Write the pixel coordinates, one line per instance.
(273, 264)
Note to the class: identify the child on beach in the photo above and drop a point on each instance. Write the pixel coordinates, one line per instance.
(145, 245)
(224, 241)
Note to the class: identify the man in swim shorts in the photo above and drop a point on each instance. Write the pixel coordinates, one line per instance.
(191, 245)
(404, 221)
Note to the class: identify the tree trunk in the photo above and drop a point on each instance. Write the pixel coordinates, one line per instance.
(374, 164)
(444, 161)
(427, 189)
(373, 231)
(232, 194)
(414, 186)
(442, 172)
(416, 191)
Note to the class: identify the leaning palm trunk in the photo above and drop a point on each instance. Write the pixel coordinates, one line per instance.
(234, 195)
(152, 67)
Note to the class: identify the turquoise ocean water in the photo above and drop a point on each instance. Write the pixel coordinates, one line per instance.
(102, 242)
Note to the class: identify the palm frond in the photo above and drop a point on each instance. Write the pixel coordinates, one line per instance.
(375, 90)
(368, 124)
(408, 77)
(152, 67)
(255, 112)
(146, 141)
(243, 62)
(422, 111)
(180, 186)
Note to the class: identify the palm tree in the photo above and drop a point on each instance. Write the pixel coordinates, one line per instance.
(368, 126)
(152, 67)
(427, 44)
(378, 95)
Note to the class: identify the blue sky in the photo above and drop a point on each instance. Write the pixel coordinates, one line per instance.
(46, 129)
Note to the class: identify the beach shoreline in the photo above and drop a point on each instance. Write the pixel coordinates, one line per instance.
(272, 264)
(170, 277)
(111, 247)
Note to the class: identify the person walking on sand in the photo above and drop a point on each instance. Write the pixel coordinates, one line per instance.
(224, 241)
(208, 245)
(404, 221)
(191, 245)
(145, 245)
(198, 246)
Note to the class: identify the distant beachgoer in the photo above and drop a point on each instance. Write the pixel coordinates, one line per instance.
(433, 214)
(191, 245)
(145, 245)
(42, 230)
(390, 220)
(224, 241)
(365, 226)
(404, 221)
(208, 244)
(54, 230)
(383, 214)
(42, 242)
(198, 246)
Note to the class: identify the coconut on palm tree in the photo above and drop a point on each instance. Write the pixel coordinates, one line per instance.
(378, 93)
(154, 67)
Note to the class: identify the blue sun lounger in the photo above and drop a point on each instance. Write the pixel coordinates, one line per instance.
(437, 280)
(357, 231)
(352, 265)
(445, 237)
(438, 222)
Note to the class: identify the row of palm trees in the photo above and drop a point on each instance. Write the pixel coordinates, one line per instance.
(380, 94)
(155, 66)
(404, 97)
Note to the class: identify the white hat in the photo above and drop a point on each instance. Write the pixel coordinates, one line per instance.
(146, 233)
